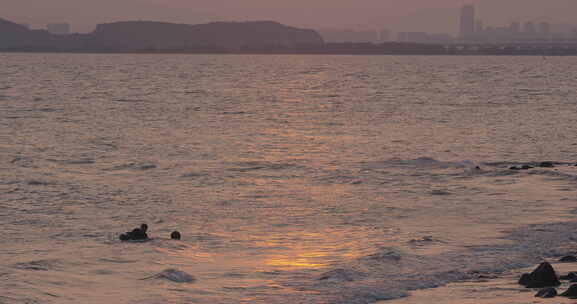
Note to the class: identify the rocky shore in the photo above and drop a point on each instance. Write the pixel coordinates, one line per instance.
(504, 289)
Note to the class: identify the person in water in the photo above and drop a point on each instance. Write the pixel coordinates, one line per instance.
(136, 234)
(175, 235)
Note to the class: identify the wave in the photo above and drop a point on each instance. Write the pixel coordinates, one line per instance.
(391, 273)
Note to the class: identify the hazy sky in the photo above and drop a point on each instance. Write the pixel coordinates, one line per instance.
(397, 15)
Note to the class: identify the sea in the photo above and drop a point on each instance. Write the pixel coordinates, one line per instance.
(292, 178)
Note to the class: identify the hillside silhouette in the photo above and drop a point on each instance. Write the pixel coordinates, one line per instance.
(150, 35)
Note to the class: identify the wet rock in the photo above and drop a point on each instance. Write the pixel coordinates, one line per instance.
(525, 279)
(546, 164)
(549, 292)
(173, 275)
(568, 258)
(523, 167)
(570, 276)
(543, 276)
(571, 292)
(37, 183)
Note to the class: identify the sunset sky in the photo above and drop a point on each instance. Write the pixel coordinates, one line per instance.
(397, 15)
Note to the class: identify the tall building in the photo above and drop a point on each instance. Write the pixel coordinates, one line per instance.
(467, 28)
(58, 28)
(479, 26)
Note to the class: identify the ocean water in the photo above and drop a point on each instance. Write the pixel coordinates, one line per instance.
(293, 179)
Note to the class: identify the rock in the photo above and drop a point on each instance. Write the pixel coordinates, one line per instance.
(546, 164)
(571, 292)
(543, 276)
(526, 167)
(568, 258)
(514, 168)
(548, 292)
(525, 279)
(569, 276)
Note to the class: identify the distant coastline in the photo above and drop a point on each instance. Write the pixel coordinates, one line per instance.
(323, 50)
(256, 37)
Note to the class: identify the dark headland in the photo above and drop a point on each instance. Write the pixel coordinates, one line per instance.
(254, 37)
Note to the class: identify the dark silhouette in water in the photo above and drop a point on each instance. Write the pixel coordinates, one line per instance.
(175, 235)
(137, 234)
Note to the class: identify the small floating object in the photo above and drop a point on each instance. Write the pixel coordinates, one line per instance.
(173, 275)
(175, 235)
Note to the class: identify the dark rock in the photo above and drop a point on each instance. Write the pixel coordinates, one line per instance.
(568, 258)
(514, 168)
(569, 276)
(526, 167)
(543, 276)
(525, 279)
(548, 292)
(175, 235)
(571, 292)
(546, 164)
(124, 237)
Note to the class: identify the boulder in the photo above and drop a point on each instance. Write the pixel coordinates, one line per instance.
(525, 279)
(568, 258)
(571, 292)
(546, 164)
(570, 276)
(548, 292)
(543, 276)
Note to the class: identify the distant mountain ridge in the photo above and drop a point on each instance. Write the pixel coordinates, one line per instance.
(152, 35)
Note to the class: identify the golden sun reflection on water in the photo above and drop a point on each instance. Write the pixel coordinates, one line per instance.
(308, 260)
(312, 251)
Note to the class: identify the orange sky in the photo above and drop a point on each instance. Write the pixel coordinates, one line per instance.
(398, 15)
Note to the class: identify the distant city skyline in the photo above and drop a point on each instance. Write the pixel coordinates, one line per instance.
(440, 16)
